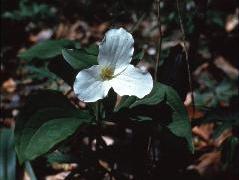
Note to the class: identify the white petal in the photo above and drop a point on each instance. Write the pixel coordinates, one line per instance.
(116, 49)
(89, 87)
(132, 81)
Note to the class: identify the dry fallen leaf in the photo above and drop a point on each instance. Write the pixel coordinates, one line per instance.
(231, 22)
(78, 30)
(41, 36)
(59, 176)
(223, 136)
(204, 131)
(7, 122)
(9, 85)
(226, 67)
(105, 165)
(208, 163)
(64, 166)
(193, 115)
(200, 69)
(97, 31)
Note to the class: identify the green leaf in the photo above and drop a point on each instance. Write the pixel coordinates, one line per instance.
(86, 57)
(93, 49)
(156, 96)
(137, 57)
(47, 119)
(59, 157)
(179, 125)
(46, 50)
(7, 154)
(229, 153)
(48, 127)
(79, 59)
(30, 12)
(62, 70)
(40, 73)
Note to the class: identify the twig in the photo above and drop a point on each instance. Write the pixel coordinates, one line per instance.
(136, 25)
(160, 41)
(71, 175)
(149, 148)
(68, 92)
(186, 54)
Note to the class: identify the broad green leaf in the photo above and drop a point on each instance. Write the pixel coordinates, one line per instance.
(40, 100)
(46, 128)
(62, 70)
(72, 61)
(40, 73)
(156, 96)
(79, 59)
(59, 157)
(47, 119)
(179, 125)
(84, 58)
(46, 50)
(93, 49)
(51, 126)
(7, 154)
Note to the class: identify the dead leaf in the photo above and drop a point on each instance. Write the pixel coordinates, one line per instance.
(105, 165)
(200, 69)
(59, 176)
(64, 166)
(9, 85)
(41, 36)
(226, 67)
(193, 115)
(204, 131)
(208, 163)
(223, 136)
(232, 22)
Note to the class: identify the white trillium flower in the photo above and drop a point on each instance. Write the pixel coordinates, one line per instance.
(114, 70)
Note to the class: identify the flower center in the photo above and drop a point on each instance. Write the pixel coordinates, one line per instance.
(106, 73)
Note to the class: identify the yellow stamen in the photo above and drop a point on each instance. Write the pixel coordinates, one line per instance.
(106, 73)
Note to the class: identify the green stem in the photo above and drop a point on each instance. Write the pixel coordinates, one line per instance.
(97, 112)
(98, 122)
(186, 54)
(159, 48)
(30, 170)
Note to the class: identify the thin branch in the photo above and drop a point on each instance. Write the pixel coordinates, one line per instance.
(68, 92)
(136, 25)
(186, 54)
(149, 147)
(159, 48)
(149, 144)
